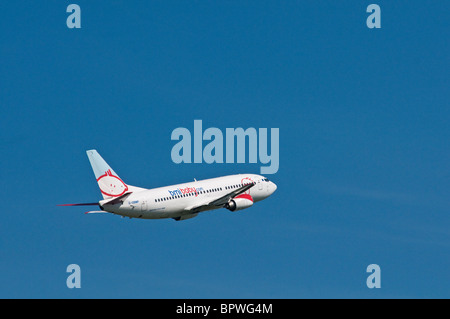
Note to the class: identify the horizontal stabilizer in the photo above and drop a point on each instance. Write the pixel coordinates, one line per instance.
(81, 204)
(97, 212)
(115, 200)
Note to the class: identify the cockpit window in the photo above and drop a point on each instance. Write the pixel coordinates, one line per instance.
(266, 179)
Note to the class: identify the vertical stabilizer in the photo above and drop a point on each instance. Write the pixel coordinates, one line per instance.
(108, 181)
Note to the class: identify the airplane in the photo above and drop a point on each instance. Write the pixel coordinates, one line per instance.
(181, 201)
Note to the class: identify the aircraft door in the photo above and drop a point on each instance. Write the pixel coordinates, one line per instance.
(144, 205)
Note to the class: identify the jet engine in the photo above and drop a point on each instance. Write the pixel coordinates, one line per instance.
(239, 202)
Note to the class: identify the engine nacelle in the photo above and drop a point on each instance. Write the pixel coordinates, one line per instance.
(239, 202)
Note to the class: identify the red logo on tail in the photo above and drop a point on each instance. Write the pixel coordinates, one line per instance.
(111, 185)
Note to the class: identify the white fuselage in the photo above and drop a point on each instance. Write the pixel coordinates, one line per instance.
(174, 201)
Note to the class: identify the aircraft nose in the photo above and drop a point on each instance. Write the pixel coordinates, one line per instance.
(273, 188)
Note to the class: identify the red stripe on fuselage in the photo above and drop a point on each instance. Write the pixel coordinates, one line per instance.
(246, 196)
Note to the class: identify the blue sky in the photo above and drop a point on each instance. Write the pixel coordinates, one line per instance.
(364, 147)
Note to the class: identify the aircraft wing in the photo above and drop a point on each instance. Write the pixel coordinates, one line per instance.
(220, 201)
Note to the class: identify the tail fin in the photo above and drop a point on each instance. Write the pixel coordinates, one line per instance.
(108, 181)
